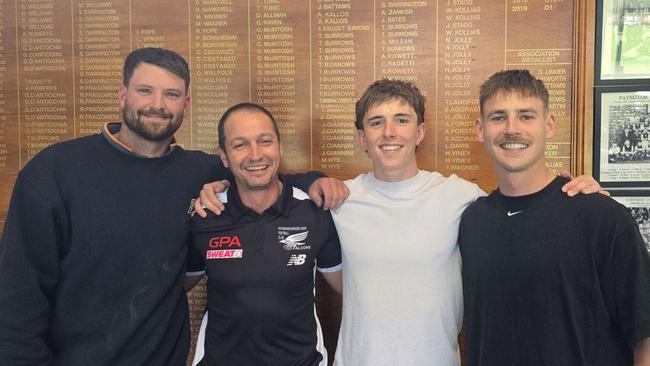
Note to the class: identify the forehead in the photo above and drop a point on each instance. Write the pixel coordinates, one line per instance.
(248, 122)
(390, 107)
(155, 75)
(509, 100)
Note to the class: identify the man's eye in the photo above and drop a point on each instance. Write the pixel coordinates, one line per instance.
(403, 121)
(374, 123)
(144, 91)
(173, 95)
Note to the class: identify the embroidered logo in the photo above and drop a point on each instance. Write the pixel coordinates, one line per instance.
(292, 240)
(297, 260)
(222, 247)
(512, 213)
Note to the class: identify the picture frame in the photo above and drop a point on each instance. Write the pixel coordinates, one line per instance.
(622, 136)
(622, 42)
(638, 202)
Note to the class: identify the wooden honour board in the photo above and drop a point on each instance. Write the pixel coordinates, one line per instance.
(307, 61)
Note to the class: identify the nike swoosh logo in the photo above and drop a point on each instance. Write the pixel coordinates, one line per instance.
(510, 213)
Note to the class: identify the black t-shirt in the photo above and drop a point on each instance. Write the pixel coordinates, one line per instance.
(553, 280)
(260, 272)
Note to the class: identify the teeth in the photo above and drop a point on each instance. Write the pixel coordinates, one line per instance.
(390, 147)
(255, 168)
(514, 146)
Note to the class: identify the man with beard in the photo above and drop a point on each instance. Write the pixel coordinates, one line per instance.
(93, 255)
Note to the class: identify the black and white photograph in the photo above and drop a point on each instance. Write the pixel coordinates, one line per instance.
(639, 206)
(624, 127)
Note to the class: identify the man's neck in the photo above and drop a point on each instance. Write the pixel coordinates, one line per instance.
(140, 146)
(396, 175)
(261, 200)
(516, 184)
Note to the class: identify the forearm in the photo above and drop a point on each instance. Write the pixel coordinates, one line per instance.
(335, 280)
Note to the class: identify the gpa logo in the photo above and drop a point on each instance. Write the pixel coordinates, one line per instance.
(224, 241)
(222, 247)
(297, 260)
(293, 237)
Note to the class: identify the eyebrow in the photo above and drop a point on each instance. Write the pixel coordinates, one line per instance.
(503, 111)
(395, 115)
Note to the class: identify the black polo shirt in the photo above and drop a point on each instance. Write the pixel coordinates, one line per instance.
(260, 270)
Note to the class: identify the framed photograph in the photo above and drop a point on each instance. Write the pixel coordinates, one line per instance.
(639, 204)
(622, 41)
(622, 136)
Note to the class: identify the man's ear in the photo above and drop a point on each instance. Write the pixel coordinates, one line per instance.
(224, 158)
(550, 126)
(363, 142)
(478, 129)
(121, 94)
(421, 132)
(186, 107)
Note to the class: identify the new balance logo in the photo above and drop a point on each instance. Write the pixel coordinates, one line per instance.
(297, 260)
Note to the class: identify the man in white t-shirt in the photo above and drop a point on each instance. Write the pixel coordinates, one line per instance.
(402, 292)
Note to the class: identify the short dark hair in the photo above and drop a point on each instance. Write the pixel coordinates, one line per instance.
(509, 81)
(243, 106)
(385, 90)
(163, 58)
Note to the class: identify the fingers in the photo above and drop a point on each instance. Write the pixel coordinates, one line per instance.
(330, 193)
(198, 207)
(315, 195)
(584, 184)
(208, 198)
(339, 195)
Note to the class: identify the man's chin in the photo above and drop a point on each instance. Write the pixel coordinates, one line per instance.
(156, 134)
(257, 185)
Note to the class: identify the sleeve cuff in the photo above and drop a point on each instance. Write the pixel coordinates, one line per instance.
(338, 267)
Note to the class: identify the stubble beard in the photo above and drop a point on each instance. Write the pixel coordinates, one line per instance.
(133, 120)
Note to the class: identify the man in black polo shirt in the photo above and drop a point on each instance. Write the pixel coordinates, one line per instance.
(260, 254)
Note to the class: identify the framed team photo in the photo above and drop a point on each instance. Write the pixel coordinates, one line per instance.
(623, 40)
(638, 202)
(622, 136)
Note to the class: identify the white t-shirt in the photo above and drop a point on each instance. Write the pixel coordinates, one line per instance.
(402, 292)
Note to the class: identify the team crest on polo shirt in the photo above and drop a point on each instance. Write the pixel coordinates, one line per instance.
(293, 237)
(224, 247)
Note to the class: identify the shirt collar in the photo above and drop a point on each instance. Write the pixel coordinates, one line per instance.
(281, 206)
(111, 128)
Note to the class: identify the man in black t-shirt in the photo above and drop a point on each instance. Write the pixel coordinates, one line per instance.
(547, 279)
(260, 255)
